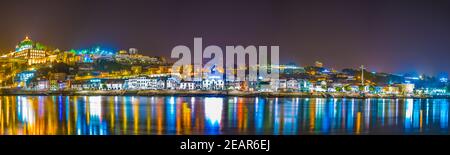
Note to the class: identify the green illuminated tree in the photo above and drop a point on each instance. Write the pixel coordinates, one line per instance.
(361, 88)
(338, 89)
(372, 89)
(347, 88)
(104, 87)
(40, 46)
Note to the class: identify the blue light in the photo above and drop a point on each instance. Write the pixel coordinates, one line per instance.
(444, 80)
(25, 76)
(213, 115)
(95, 80)
(96, 51)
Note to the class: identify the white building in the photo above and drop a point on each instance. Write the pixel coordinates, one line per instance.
(141, 83)
(282, 84)
(278, 84)
(43, 85)
(114, 85)
(293, 85)
(305, 85)
(160, 84)
(172, 83)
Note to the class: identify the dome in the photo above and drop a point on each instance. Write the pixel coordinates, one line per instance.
(27, 43)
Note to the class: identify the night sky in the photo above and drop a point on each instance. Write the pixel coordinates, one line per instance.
(385, 35)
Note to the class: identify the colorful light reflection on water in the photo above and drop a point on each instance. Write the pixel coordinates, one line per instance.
(122, 115)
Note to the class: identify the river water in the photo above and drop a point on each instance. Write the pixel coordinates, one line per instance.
(170, 115)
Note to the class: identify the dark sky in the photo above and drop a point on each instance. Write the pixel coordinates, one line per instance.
(385, 35)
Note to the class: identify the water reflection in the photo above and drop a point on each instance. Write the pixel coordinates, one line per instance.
(111, 115)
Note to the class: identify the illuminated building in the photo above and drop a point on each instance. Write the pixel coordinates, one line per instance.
(264, 86)
(91, 84)
(123, 52)
(292, 85)
(213, 84)
(57, 85)
(278, 84)
(391, 90)
(406, 88)
(43, 85)
(90, 54)
(187, 85)
(213, 79)
(160, 84)
(114, 84)
(27, 49)
(233, 85)
(77, 85)
(141, 83)
(132, 57)
(282, 84)
(305, 85)
(172, 83)
(436, 91)
(85, 68)
(319, 88)
(133, 51)
(25, 77)
(95, 51)
(444, 80)
(136, 69)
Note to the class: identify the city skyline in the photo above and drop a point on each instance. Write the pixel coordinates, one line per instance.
(35, 68)
(224, 75)
(117, 51)
(384, 36)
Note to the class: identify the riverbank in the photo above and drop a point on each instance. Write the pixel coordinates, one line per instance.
(204, 93)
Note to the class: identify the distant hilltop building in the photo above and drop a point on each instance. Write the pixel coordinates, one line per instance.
(123, 52)
(133, 51)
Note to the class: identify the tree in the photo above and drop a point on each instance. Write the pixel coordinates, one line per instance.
(347, 88)
(361, 88)
(103, 86)
(61, 68)
(40, 46)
